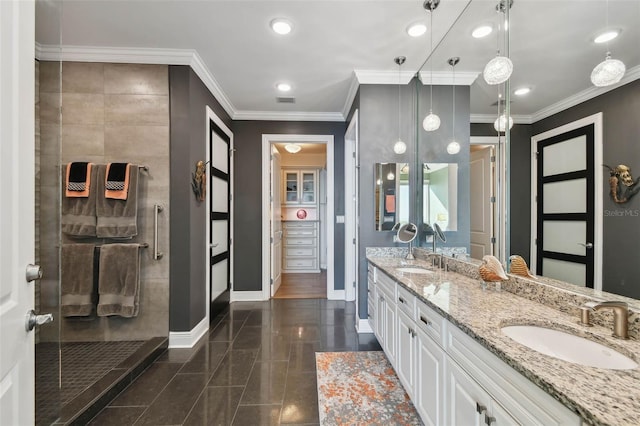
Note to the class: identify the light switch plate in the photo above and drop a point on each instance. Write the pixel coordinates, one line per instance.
(340, 219)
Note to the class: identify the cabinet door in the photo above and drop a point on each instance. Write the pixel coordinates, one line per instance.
(371, 305)
(405, 355)
(390, 329)
(467, 402)
(380, 321)
(291, 187)
(429, 385)
(308, 186)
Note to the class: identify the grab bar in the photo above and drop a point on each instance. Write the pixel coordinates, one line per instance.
(157, 254)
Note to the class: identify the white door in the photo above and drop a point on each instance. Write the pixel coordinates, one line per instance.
(351, 210)
(220, 206)
(482, 202)
(567, 169)
(17, 229)
(276, 224)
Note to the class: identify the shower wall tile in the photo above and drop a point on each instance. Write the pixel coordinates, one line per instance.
(137, 109)
(82, 140)
(82, 108)
(50, 139)
(49, 76)
(136, 79)
(136, 142)
(82, 77)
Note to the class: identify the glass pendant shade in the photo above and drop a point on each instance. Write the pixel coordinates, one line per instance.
(608, 72)
(501, 123)
(391, 176)
(431, 122)
(399, 147)
(498, 70)
(453, 147)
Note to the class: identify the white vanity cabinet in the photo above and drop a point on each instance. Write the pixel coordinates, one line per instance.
(371, 296)
(451, 378)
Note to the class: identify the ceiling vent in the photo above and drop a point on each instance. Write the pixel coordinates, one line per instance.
(495, 104)
(286, 100)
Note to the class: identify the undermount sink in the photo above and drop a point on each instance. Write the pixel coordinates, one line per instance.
(413, 270)
(568, 347)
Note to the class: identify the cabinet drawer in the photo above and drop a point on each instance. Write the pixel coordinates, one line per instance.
(300, 263)
(406, 302)
(430, 322)
(300, 241)
(386, 283)
(300, 251)
(299, 225)
(303, 232)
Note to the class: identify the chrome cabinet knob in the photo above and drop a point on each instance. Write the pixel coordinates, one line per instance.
(33, 319)
(33, 272)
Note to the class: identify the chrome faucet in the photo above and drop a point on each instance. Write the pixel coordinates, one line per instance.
(620, 316)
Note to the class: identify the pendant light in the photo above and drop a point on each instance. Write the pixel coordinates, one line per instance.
(453, 147)
(501, 123)
(431, 122)
(399, 147)
(499, 69)
(610, 71)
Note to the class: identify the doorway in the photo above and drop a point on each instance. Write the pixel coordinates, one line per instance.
(298, 207)
(483, 195)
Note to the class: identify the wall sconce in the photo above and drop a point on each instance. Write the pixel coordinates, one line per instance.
(199, 181)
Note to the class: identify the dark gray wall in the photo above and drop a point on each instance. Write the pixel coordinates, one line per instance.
(520, 184)
(189, 98)
(621, 138)
(378, 126)
(248, 195)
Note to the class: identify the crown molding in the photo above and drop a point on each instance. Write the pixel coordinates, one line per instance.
(590, 93)
(288, 116)
(351, 96)
(447, 78)
(383, 77)
(491, 118)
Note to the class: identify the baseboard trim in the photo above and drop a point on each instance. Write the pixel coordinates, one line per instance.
(335, 295)
(187, 339)
(363, 326)
(246, 296)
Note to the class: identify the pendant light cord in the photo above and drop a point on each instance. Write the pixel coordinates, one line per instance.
(431, 62)
(453, 71)
(399, 66)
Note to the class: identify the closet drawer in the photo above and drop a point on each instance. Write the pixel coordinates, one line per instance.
(300, 264)
(299, 225)
(303, 232)
(300, 241)
(300, 251)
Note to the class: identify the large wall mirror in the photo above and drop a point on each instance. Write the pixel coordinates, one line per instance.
(440, 195)
(551, 74)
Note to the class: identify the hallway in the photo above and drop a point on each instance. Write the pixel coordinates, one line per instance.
(303, 286)
(255, 367)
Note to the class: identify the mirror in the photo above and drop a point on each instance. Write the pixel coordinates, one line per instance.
(440, 195)
(392, 204)
(554, 100)
(407, 232)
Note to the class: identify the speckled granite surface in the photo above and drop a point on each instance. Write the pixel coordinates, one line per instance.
(599, 396)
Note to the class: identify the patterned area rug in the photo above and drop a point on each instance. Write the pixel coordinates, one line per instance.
(361, 388)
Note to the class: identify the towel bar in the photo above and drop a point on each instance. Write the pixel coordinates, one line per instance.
(157, 254)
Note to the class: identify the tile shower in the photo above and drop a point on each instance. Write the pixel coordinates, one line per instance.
(100, 113)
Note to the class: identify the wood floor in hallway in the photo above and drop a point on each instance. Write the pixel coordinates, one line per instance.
(303, 286)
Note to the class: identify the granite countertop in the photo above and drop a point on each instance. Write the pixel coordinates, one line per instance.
(599, 396)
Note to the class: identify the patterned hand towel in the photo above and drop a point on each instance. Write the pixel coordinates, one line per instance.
(79, 213)
(78, 294)
(117, 218)
(119, 280)
(117, 181)
(78, 180)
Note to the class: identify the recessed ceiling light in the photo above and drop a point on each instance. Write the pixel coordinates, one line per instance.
(281, 26)
(283, 87)
(416, 30)
(482, 31)
(522, 91)
(606, 36)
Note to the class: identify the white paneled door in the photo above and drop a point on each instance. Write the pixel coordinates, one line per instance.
(482, 200)
(17, 82)
(276, 223)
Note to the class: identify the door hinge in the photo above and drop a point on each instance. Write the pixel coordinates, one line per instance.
(493, 240)
(492, 199)
(537, 154)
(493, 159)
(230, 197)
(271, 240)
(354, 284)
(353, 154)
(271, 281)
(535, 241)
(354, 241)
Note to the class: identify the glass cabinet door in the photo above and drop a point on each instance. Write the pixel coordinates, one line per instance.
(308, 187)
(291, 187)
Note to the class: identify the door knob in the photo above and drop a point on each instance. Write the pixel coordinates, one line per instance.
(34, 272)
(33, 319)
(587, 245)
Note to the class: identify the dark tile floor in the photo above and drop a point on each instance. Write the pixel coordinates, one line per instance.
(255, 367)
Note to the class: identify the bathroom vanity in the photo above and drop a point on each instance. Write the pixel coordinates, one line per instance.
(442, 333)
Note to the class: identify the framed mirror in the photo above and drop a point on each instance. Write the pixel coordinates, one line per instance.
(392, 201)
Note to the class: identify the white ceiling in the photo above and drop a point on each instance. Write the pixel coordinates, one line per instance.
(333, 40)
